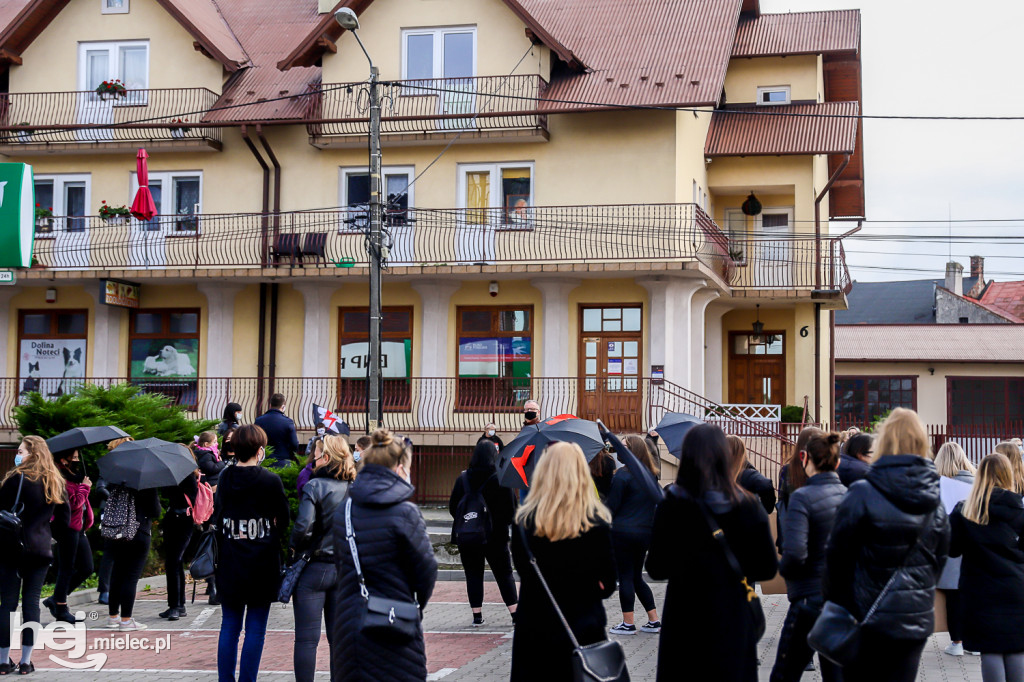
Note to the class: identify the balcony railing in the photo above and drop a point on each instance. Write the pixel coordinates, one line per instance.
(788, 263)
(430, 106)
(38, 119)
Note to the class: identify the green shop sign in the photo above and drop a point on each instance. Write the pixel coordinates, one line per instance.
(17, 215)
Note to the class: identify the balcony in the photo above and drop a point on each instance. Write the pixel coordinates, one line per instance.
(430, 110)
(770, 264)
(35, 123)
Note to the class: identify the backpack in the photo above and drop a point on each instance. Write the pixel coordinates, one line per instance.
(119, 519)
(472, 525)
(202, 509)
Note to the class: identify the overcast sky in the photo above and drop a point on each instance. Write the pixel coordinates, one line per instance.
(950, 59)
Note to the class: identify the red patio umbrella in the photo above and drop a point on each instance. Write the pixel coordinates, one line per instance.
(143, 208)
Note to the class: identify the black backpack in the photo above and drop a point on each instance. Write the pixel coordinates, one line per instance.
(120, 521)
(472, 525)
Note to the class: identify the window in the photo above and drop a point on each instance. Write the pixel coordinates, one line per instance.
(354, 357)
(504, 186)
(126, 61)
(114, 6)
(611, 319)
(773, 95)
(495, 356)
(860, 400)
(51, 351)
(163, 352)
(985, 401)
(355, 193)
(964, 320)
(178, 200)
(610, 348)
(439, 53)
(769, 343)
(68, 197)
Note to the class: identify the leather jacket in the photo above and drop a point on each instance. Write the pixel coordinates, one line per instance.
(321, 497)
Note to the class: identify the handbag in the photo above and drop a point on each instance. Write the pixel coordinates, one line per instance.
(384, 619)
(290, 574)
(11, 531)
(836, 634)
(599, 662)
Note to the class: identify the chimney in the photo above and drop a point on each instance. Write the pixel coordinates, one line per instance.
(978, 268)
(327, 6)
(955, 278)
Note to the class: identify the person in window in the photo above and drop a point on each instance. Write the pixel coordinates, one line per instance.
(232, 418)
(951, 462)
(855, 461)
(519, 214)
(747, 475)
(280, 431)
(531, 413)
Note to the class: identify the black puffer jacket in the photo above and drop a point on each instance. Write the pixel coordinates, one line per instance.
(876, 526)
(397, 562)
(754, 481)
(321, 497)
(992, 575)
(808, 523)
(209, 465)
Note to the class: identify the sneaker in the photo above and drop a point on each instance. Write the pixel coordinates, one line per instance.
(809, 668)
(955, 649)
(653, 626)
(113, 622)
(104, 598)
(623, 629)
(478, 619)
(972, 653)
(214, 600)
(8, 668)
(26, 668)
(131, 625)
(169, 614)
(182, 612)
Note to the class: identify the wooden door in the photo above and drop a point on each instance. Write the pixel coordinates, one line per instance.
(610, 361)
(757, 371)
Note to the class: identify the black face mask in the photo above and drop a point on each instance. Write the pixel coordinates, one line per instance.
(74, 472)
(530, 415)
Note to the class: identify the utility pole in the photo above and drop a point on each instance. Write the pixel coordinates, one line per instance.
(374, 412)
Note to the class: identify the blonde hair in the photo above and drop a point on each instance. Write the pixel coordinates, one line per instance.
(993, 472)
(1012, 453)
(40, 467)
(562, 503)
(951, 460)
(118, 441)
(738, 453)
(386, 450)
(339, 456)
(902, 433)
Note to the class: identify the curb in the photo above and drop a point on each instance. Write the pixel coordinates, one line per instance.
(91, 595)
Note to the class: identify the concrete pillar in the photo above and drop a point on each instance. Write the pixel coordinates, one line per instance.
(106, 338)
(317, 384)
(554, 326)
(714, 366)
(671, 328)
(698, 306)
(218, 355)
(435, 392)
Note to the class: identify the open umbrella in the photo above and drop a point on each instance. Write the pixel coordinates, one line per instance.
(143, 208)
(673, 427)
(519, 458)
(648, 481)
(76, 439)
(147, 463)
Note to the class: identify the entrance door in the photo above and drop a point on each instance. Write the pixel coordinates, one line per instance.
(610, 361)
(757, 368)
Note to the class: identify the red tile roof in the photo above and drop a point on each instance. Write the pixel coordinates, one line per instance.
(930, 342)
(790, 129)
(798, 33)
(1005, 298)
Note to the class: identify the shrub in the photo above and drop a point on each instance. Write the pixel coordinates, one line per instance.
(792, 414)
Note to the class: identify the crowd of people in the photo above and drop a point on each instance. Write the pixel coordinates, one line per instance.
(862, 527)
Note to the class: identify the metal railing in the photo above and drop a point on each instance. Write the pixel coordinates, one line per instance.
(787, 263)
(430, 106)
(41, 118)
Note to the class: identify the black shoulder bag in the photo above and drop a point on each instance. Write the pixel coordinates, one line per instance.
(11, 531)
(290, 574)
(384, 619)
(599, 662)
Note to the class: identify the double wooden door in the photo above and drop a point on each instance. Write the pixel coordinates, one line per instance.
(757, 371)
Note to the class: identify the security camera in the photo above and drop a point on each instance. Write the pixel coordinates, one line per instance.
(492, 289)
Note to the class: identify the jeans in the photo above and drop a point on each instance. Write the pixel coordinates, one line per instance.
(1002, 667)
(25, 577)
(314, 597)
(794, 653)
(892, 660)
(106, 567)
(500, 561)
(129, 557)
(954, 615)
(255, 618)
(74, 563)
(177, 532)
(630, 552)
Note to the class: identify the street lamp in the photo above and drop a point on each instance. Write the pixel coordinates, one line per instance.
(348, 20)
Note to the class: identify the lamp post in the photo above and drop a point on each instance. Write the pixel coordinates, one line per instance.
(348, 20)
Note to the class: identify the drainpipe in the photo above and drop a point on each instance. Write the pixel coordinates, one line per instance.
(260, 347)
(273, 335)
(832, 362)
(266, 189)
(261, 344)
(277, 179)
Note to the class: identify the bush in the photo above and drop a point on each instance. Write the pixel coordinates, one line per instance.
(792, 414)
(289, 478)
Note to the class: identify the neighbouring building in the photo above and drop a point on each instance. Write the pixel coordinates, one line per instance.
(566, 183)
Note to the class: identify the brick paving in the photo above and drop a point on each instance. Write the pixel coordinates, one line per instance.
(455, 650)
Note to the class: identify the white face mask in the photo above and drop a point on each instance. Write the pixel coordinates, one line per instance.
(321, 431)
(490, 433)
(238, 416)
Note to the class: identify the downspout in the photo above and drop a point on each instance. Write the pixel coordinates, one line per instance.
(261, 345)
(260, 353)
(277, 179)
(274, 287)
(273, 336)
(832, 363)
(266, 188)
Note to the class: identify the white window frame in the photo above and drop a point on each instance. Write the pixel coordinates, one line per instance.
(762, 89)
(438, 58)
(115, 48)
(105, 8)
(495, 201)
(167, 197)
(59, 181)
(740, 235)
(345, 171)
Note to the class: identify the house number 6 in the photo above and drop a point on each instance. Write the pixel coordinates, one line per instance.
(803, 332)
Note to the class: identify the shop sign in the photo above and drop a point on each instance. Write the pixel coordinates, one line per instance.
(8, 277)
(120, 294)
(17, 215)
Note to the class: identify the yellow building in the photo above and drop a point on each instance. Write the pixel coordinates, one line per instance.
(565, 220)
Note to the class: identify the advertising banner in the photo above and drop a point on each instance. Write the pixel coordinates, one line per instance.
(164, 358)
(120, 294)
(395, 360)
(50, 366)
(496, 357)
(17, 215)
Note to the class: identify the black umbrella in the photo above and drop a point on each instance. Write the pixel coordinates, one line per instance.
(519, 458)
(673, 427)
(147, 463)
(648, 481)
(76, 439)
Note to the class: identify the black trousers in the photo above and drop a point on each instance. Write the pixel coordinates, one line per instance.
(954, 615)
(129, 558)
(314, 598)
(25, 578)
(74, 563)
(106, 566)
(500, 561)
(177, 533)
(892, 660)
(794, 653)
(630, 552)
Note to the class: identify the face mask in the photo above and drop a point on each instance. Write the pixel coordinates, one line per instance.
(18, 459)
(530, 415)
(238, 416)
(321, 431)
(490, 433)
(356, 456)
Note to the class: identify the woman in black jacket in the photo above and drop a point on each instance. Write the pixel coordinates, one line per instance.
(569, 533)
(397, 563)
(892, 519)
(231, 420)
(632, 522)
(22, 574)
(251, 513)
(747, 475)
(481, 478)
(988, 531)
(809, 518)
(129, 556)
(312, 536)
(715, 619)
(177, 525)
(792, 479)
(602, 468)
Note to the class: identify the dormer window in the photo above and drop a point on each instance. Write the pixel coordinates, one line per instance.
(773, 95)
(126, 61)
(438, 53)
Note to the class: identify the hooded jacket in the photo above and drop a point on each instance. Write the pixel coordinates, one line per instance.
(397, 562)
(320, 498)
(210, 464)
(754, 481)
(876, 532)
(950, 577)
(809, 518)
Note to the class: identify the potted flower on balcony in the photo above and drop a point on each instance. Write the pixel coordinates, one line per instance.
(114, 215)
(111, 90)
(179, 130)
(44, 218)
(737, 255)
